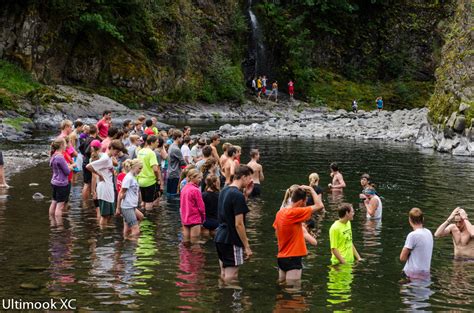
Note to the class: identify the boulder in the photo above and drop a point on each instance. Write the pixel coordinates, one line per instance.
(460, 124)
(451, 120)
(463, 107)
(463, 148)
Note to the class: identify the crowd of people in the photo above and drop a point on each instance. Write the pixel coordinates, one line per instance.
(127, 169)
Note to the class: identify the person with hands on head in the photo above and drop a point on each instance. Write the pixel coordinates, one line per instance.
(340, 235)
(289, 231)
(462, 232)
(231, 237)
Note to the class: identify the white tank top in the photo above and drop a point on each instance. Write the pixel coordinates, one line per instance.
(378, 212)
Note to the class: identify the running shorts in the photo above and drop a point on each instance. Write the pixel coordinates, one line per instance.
(106, 208)
(230, 255)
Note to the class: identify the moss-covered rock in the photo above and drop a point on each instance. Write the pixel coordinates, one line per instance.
(455, 74)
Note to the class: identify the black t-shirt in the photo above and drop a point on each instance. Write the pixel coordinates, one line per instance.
(211, 200)
(231, 203)
(319, 191)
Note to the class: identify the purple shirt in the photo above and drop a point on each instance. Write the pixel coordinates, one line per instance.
(60, 170)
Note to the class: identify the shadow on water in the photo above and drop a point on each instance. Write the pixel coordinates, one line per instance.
(75, 258)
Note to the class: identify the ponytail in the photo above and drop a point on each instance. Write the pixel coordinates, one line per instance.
(56, 145)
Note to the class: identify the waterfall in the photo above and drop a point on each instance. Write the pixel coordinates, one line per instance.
(258, 47)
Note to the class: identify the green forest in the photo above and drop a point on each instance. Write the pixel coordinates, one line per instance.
(142, 52)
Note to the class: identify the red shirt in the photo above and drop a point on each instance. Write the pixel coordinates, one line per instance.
(149, 131)
(103, 128)
(69, 160)
(289, 231)
(120, 178)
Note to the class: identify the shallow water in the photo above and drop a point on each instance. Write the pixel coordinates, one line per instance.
(103, 272)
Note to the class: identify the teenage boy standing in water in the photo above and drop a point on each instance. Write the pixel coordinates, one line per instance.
(231, 237)
(289, 232)
(338, 182)
(418, 248)
(462, 232)
(257, 175)
(340, 235)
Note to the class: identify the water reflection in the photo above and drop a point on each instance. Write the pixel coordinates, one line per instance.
(190, 275)
(416, 294)
(339, 284)
(61, 269)
(456, 281)
(290, 302)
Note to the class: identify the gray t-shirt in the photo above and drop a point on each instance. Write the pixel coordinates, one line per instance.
(131, 196)
(176, 161)
(420, 243)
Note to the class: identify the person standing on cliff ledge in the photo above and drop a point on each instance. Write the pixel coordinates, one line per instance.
(379, 102)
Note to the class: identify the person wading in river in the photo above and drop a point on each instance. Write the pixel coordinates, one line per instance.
(461, 230)
(257, 175)
(231, 237)
(418, 248)
(373, 204)
(338, 182)
(104, 170)
(230, 165)
(289, 231)
(340, 236)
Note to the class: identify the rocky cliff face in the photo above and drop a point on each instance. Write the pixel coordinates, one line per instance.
(148, 49)
(452, 104)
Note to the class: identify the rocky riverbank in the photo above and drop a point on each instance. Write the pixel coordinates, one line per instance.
(401, 125)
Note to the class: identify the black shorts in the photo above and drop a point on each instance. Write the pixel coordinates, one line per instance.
(257, 190)
(148, 193)
(1, 158)
(172, 186)
(87, 175)
(210, 224)
(60, 193)
(291, 263)
(230, 255)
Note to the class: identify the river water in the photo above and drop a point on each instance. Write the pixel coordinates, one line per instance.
(103, 272)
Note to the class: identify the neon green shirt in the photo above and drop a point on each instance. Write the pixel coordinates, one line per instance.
(147, 177)
(155, 130)
(340, 236)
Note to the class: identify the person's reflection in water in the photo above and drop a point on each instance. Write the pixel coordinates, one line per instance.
(61, 267)
(416, 293)
(371, 235)
(339, 284)
(457, 282)
(190, 275)
(290, 302)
